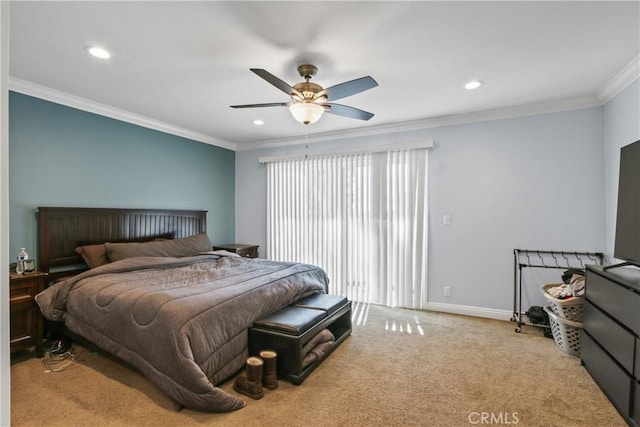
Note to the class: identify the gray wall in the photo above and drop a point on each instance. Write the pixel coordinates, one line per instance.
(60, 156)
(532, 182)
(621, 127)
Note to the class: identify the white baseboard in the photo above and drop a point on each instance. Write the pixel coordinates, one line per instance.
(488, 313)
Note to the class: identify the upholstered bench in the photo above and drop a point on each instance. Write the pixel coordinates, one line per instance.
(292, 329)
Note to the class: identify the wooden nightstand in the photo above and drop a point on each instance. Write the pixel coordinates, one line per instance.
(247, 251)
(26, 319)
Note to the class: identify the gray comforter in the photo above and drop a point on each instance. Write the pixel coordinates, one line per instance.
(181, 321)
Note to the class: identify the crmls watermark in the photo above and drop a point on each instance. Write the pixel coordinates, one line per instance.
(503, 418)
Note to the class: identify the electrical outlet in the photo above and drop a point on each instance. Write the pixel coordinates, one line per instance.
(447, 291)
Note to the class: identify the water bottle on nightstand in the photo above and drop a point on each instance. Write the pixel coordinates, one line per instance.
(22, 257)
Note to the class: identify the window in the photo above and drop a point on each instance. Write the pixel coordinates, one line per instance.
(361, 217)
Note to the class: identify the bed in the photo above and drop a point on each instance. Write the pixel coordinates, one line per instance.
(163, 301)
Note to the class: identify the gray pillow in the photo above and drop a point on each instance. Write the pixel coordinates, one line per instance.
(93, 255)
(187, 246)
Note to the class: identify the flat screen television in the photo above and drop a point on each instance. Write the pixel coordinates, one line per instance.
(627, 242)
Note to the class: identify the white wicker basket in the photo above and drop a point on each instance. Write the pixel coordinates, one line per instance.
(570, 309)
(566, 333)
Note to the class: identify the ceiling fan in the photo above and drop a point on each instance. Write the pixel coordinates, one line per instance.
(309, 100)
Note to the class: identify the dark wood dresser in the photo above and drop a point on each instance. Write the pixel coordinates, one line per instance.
(247, 251)
(26, 319)
(610, 347)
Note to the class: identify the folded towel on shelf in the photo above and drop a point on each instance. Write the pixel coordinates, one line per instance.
(321, 337)
(317, 352)
(317, 347)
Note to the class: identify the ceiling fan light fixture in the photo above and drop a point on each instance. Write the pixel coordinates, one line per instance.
(309, 100)
(306, 112)
(474, 84)
(98, 52)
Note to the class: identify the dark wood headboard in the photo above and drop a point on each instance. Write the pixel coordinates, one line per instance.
(61, 230)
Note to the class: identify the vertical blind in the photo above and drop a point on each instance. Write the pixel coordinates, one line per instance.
(361, 217)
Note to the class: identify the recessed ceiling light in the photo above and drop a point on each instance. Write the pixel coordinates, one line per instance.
(98, 52)
(258, 122)
(474, 84)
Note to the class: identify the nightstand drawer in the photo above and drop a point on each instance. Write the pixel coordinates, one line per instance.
(28, 289)
(26, 319)
(247, 251)
(24, 327)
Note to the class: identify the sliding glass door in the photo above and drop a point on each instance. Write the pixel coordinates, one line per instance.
(361, 217)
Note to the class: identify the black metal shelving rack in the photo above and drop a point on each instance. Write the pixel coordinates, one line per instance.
(534, 258)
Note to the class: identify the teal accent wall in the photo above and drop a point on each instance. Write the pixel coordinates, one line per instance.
(61, 156)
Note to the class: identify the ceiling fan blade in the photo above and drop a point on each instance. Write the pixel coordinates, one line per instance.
(270, 104)
(346, 111)
(349, 88)
(286, 88)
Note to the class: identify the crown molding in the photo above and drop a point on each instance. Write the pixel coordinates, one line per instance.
(626, 76)
(58, 97)
(457, 119)
(620, 81)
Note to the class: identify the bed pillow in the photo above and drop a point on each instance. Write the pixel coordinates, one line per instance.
(96, 255)
(186, 246)
(93, 255)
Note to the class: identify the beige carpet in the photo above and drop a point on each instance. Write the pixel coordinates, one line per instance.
(399, 368)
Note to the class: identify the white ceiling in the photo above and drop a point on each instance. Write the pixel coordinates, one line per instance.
(178, 66)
